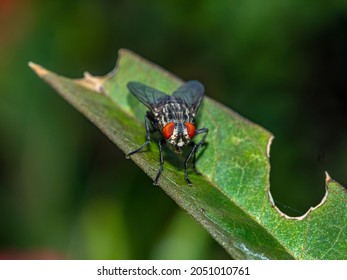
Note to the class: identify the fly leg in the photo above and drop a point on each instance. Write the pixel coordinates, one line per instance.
(161, 162)
(192, 153)
(199, 131)
(148, 139)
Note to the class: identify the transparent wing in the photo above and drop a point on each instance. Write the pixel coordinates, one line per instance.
(191, 93)
(150, 97)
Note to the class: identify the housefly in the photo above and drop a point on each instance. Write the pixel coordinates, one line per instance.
(172, 115)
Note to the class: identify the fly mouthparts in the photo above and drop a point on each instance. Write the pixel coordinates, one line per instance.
(178, 150)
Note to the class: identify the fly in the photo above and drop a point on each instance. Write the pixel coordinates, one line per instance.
(172, 115)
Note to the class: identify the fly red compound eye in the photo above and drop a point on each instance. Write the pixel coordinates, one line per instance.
(190, 129)
(168, 130)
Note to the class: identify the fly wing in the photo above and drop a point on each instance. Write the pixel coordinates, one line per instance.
(191, 93)
(150, 97)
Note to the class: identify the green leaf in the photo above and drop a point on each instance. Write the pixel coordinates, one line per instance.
(231, 198)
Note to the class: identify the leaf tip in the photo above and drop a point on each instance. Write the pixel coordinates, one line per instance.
(123, 51)
(327, 177)
(38, 69)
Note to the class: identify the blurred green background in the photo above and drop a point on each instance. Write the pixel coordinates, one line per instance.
(67, 192)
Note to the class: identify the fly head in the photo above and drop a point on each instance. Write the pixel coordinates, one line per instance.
(178, 134)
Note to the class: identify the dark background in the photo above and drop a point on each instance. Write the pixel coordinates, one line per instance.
(67, 192)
